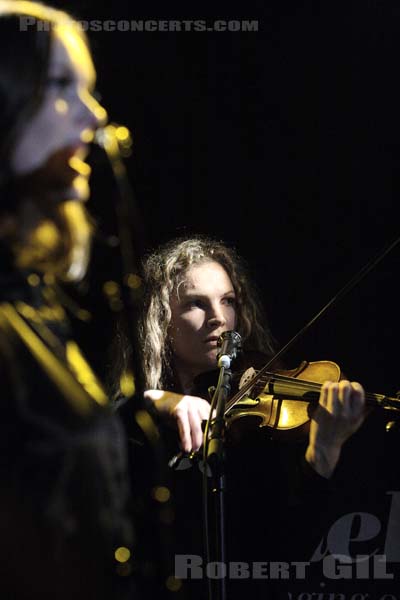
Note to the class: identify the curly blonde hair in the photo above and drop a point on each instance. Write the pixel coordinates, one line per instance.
(164, 270)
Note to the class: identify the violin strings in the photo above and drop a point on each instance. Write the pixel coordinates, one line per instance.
(291, 380)
(266, 378)
(314, 386)
(300, 384)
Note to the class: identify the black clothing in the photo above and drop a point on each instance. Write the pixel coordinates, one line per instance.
(279, 512)
(153, 508)
(64, 495)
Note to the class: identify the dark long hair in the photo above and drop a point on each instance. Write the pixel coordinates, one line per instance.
(23, 70)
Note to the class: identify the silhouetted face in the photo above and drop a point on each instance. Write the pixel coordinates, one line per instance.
(53, 144)
(202, 308)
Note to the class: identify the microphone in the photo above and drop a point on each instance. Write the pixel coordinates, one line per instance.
(229, 344)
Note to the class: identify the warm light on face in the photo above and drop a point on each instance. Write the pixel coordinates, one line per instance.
(68, 115)
(53, 234)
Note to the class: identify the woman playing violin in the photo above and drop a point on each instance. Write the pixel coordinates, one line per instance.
(197, 289)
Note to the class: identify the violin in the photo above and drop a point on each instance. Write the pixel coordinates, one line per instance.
(281, 400)
(284, 400)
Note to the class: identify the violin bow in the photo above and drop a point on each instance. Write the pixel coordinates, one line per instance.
(359, 276)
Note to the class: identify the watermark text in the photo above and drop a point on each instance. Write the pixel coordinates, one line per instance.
(147, 25)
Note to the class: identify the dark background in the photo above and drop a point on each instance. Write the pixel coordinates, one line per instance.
(283, 142)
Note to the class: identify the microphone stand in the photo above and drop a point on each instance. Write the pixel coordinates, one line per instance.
(216, 463)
